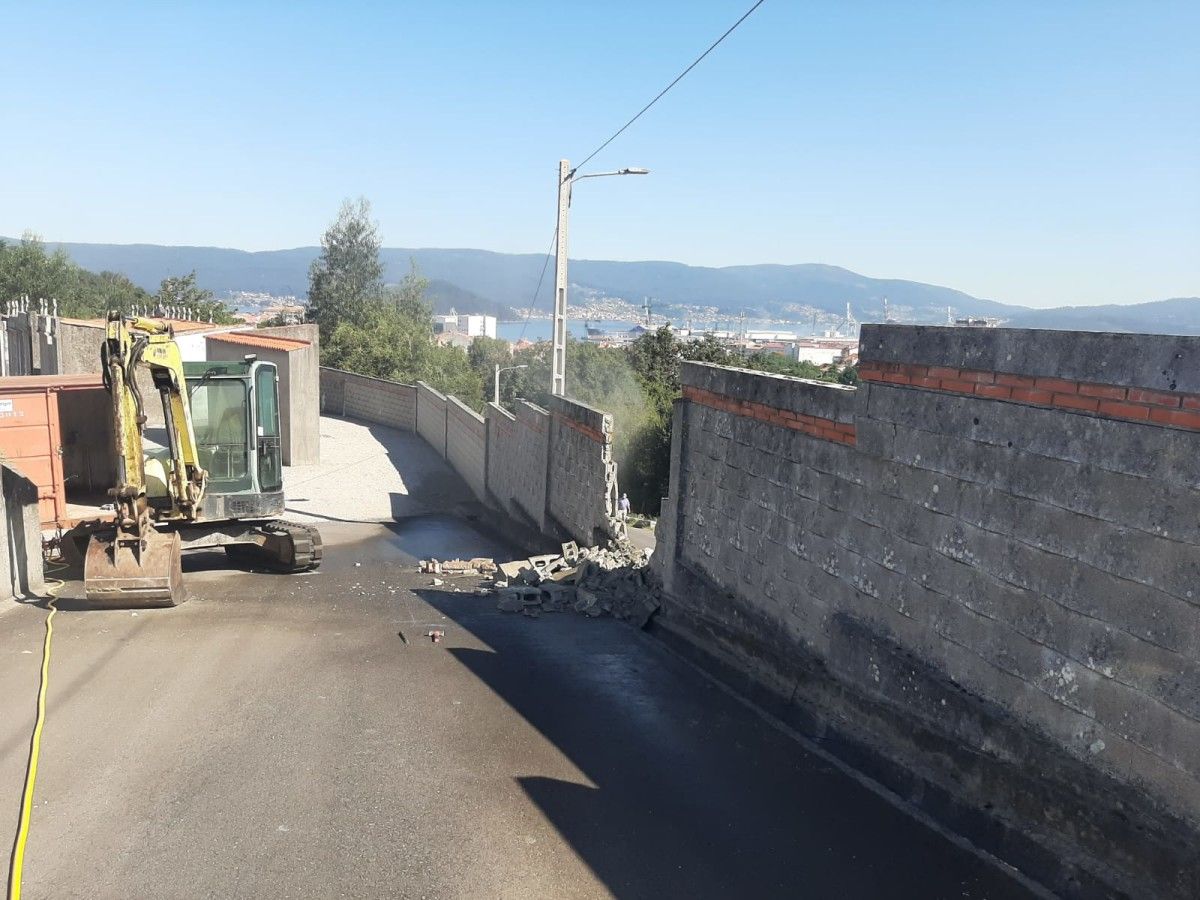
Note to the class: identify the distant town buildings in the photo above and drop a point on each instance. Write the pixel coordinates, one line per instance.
(470, 326)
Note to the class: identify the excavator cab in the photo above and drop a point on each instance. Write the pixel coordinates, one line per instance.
(235, 417)
(216, 482)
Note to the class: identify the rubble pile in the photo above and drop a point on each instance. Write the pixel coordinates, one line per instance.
(478, 565)
(612, 580)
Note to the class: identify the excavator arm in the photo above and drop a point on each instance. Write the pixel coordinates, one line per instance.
(132, 563)
(130, 344)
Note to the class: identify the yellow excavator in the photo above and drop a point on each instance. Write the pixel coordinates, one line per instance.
(217, 481)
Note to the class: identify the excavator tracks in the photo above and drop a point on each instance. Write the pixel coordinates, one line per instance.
(285, 547)
(305, 546)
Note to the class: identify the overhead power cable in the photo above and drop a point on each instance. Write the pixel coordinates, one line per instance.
(678, 78)
(541, 277)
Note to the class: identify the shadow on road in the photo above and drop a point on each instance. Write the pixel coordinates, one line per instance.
(695, 795)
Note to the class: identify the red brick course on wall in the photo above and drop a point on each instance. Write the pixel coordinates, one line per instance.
(592, 433)
(814, 426)
(1178, 410)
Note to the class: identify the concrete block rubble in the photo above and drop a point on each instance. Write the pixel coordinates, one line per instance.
(478, 565)
(612, 580)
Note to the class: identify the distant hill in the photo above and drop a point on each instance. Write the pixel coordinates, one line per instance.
(1180, 315)
(449, 297)
(501, 283)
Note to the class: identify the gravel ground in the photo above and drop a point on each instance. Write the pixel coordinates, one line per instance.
(370, 473)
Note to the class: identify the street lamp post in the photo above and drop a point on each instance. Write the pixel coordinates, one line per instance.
(496, 383)
(567, 178)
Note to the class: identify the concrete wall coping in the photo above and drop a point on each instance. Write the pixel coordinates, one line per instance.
(369, 377)
(593, 418)
(525, 410)
(799, 395)
(458, 406)
(1157, 361)
(424, 387)
(491, 411)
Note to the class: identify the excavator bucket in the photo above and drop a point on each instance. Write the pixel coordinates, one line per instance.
(118, 573)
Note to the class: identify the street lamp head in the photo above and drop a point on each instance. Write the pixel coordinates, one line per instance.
(635, 170)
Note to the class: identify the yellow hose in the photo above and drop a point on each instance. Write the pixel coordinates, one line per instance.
(35, 749)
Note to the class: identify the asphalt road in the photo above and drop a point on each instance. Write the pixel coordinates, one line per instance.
(276, 737)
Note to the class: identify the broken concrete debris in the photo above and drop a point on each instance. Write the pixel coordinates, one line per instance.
(478, 565)
(595, 581)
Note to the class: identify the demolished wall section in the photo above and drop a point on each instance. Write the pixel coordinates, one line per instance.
(581, 471)
(977, 574)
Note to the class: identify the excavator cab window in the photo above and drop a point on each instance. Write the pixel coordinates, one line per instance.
(270, 455)
(220, 420)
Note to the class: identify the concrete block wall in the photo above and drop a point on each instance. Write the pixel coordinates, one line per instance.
(466, 445)
(298, 372)
(550, 471)
(21, 571)
(431, 417)
(369, 399)
(582, 490)
(72, 347)
(518, 452)
(502, 461)
(16, 356)
(978, 576)
(299, 392)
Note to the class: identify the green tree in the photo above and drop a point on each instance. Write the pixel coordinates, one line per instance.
(484, 355)
(94, 293)
(389, 334)
(708, 349)
(346, 280)
(655, 357)
(26, 268)
(182, 292)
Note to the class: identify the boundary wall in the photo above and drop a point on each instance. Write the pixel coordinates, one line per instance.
(578, 433)
(518, 461)
(21, 572)
(369, 399)
(432, 417)
(466, 445)
(550, 472)
(976, 577)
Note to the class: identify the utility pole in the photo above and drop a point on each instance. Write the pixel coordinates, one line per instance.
(558, 379)
(566, 180)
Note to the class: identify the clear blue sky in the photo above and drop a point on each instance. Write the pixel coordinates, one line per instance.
(1040, 153)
